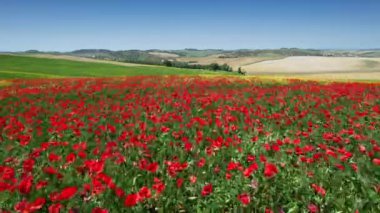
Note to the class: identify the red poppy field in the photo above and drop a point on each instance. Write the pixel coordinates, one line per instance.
(189, 144)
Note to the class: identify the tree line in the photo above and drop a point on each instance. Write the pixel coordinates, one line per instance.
(213, 66)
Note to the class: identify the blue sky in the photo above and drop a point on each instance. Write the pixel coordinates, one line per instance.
(66, 25)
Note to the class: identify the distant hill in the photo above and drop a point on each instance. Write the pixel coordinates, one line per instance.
(156, 56)
(275, 52)
(132, 56)
(198, 53)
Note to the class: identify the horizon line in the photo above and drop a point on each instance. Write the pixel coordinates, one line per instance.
(199, 49)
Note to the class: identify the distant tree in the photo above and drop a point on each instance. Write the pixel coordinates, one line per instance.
(240, 71)
(226, 67)
(168, 63)
(214, 66)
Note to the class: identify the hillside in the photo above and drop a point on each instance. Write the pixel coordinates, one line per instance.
(12, 67)
(315, 64)
(315, 67)
(146, 55)
(234, 58)
(82, 59)
(361, 64)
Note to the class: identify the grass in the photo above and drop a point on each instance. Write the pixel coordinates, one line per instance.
(12, 67)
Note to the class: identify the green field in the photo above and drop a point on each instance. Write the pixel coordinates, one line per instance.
(12, 67)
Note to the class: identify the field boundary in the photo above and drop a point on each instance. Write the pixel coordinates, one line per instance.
(80, 59)
(35, 73)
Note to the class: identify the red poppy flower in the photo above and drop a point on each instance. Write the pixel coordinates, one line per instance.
(28, 165)
(53, 157)
(313, 208)
(188, 146)
(50, 170)
(145, 193)
(217, 169)
(119, 192)
(276, 148)
(376, 109)
(362, 148)
(21, 206)
(153, 167)
(248, 171)
(263, 159)
(70, 158)
(94, 166)
(228, 176)
(376, 161)
(158, 185)
(41, 184)
(99, 210)
(201, 162)
(179, 182)
(67, 193)
(270, 170)
(26, 185)
(82, 154)
(244, 198)
(193, 179)
(55, 208)
(24, 139)
(131, 200)
(37, 204)
(268, 210)
(232, 166)
(207, 190)
(318, 189)
(24, 206)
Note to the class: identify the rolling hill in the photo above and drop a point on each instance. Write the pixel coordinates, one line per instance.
(317, 67)
(290, 62)
(12, 67)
